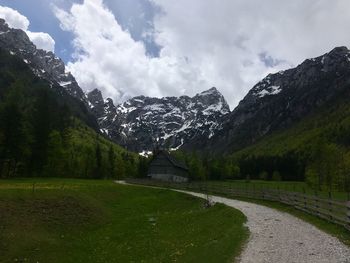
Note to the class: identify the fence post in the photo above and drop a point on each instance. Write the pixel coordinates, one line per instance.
(305, 206)
(330, 205)
(263, 193)
(348, 214)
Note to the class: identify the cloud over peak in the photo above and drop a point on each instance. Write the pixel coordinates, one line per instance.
(171, 48)
(16, 20)
(108, 58)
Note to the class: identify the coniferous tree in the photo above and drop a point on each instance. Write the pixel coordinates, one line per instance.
(55, 156)
(111, 160)
(142, 167)
(98, 155)
(13, 137)
(120, 167)
(42, 127)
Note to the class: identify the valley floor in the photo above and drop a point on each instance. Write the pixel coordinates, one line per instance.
(280, 237)
(67, 220)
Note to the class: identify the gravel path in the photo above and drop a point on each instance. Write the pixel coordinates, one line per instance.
(278, 237)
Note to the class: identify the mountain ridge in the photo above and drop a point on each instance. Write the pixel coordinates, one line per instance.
(185, 117)
(282, 99)
(204, 121)
(169, 121)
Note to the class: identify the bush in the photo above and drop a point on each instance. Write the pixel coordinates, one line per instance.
(276, 176)
(263, 175)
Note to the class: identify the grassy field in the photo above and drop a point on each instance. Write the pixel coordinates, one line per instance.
(299, 187)
(98, 221)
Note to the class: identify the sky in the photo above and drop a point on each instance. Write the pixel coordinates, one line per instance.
(159, 48)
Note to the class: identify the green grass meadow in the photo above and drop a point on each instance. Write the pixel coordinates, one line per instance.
(67, 220)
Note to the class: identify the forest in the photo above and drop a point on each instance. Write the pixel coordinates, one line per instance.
(315, 150)
(45, 132)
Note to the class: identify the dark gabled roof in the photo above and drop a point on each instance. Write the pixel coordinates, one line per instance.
(172, 160)
(175, 162)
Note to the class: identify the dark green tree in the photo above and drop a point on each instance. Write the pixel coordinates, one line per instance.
(14, 140)
(41, 130)
(98, 155)
(111, 161)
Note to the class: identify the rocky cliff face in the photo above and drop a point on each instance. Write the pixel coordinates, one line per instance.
(142, 122)
(202, 122)
(44, 64)
(282, 99)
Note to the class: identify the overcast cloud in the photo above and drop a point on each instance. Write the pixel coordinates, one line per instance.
(15, 20)
(191, 45)
(227, 44)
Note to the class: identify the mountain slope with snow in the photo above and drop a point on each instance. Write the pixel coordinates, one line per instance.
(142, 122)
(44, 64)
(282, 99)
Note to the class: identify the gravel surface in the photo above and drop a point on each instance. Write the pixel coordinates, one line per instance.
(278, 237)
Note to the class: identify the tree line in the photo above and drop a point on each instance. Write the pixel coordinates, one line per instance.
(43, 132)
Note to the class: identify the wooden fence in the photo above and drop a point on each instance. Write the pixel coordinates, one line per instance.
(331, 210)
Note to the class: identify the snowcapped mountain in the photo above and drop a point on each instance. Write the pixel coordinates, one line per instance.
(138, 122)
(43, 64)
(282, 99)
(171, 121)
(202, 122)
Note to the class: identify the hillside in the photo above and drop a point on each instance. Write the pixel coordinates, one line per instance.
(316, 149)
(281, 100)
(292, 125)
(44, 131)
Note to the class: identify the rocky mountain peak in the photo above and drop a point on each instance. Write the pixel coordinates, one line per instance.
(283, 98)
(173, 121)
(43, 63)
(95, 97)
(211, 91)
(339, 51)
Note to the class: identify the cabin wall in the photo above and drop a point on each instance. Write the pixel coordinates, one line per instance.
(169, 178)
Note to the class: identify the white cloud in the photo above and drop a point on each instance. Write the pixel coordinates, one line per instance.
(109, 59)
(224, 38)
(204, 44)
(16, 20)
(42, 40)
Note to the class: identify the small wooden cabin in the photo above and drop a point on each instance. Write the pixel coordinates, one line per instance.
(164, 167)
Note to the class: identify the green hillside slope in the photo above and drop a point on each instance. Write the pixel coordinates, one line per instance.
(46, 132)
(316, 149)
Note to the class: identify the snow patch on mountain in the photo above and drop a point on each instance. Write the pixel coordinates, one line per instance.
(141, 122)
(272, 90)
(43, 63)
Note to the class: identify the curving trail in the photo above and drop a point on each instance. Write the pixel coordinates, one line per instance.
(278, 237)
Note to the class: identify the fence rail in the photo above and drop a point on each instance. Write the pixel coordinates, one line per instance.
(328, 209)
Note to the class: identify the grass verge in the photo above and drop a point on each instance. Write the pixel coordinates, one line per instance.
(64, 220)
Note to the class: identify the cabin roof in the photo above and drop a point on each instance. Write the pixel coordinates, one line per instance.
(172, 160)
